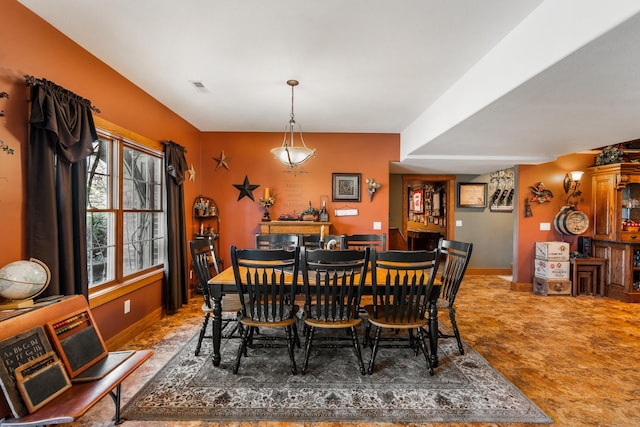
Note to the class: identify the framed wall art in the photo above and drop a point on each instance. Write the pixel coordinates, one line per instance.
(417, 202)
(346, 187)
(472, 195)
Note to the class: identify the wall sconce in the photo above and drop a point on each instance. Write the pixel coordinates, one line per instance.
(571, 185)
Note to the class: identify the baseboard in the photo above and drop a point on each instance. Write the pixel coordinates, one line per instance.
(489, 271)
(126, 335)
(522, 287)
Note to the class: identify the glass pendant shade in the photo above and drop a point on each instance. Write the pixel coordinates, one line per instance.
(288, 153)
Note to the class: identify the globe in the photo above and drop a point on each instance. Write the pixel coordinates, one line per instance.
(24, 279)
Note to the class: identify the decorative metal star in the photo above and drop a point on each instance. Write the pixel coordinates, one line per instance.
(222, 161)
(192, 173)
(246, 189)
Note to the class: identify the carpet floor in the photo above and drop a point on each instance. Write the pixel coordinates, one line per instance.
(465, 388)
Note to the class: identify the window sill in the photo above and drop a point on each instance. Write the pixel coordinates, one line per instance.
(118, 290)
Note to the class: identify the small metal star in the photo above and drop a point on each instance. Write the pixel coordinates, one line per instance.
(222, 161)
(192, 173)
(246, 189)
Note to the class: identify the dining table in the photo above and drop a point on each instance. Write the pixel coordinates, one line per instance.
(225, 283)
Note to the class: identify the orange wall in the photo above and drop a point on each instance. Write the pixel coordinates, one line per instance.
(368, 154)
(528, 229)
(28, 45)
(31, 46)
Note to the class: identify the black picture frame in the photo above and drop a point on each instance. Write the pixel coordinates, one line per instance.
(472, 195)
(346, 187)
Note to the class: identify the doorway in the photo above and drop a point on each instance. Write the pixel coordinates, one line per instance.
(428, 210)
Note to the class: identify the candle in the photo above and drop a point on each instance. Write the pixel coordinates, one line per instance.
(322, 233)
(267, 193)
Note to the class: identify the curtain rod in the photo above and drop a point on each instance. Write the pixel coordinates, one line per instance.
(34, 81)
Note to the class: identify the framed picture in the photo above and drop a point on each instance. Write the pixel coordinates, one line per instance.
(472, 195)
(346, 187)
(417, 204)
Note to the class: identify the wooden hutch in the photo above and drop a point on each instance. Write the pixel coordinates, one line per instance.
(616, 198)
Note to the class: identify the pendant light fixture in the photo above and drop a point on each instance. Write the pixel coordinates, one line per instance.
(288, 153)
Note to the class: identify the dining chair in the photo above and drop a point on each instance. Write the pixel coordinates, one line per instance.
(333, 282)
(331, 241)
(266, 280)
(359, 241)
(276, 241)
(456, 256)
(204, 258)
(402, 282)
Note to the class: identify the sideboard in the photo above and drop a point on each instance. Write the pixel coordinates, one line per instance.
(294, 227)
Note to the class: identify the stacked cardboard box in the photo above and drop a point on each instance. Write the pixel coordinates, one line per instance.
(552, 269)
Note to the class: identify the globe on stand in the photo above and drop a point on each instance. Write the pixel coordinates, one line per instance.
(21, 281)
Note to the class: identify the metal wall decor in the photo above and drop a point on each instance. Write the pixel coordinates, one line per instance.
(502, 190)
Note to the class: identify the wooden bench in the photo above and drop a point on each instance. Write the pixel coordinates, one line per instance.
(77, 400)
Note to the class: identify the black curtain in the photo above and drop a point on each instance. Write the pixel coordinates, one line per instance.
(61, 134)
(176, 290)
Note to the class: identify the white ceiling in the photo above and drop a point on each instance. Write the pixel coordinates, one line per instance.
(471, 86)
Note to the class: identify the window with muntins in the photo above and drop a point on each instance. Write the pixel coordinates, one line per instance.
(125, 216)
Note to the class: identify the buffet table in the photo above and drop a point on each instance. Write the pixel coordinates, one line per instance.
(294, 227)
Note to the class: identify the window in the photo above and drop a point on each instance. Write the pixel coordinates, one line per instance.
(125, 218)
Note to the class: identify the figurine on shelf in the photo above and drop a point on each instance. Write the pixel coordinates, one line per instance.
(266, 202)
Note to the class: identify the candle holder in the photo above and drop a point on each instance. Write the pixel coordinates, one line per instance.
(266, 204)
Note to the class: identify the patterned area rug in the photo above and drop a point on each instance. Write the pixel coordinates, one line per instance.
(464, 388)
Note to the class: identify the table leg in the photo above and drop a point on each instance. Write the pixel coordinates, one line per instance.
(217, 328)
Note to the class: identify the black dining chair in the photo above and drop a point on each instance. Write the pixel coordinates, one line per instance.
(276, 241)
(266, 280)
(330, 241)
(456, 256)
(204, 259)
(402, 282)
(333, 282)
(360, 241)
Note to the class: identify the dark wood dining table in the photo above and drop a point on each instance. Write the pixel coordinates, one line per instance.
(225, 283)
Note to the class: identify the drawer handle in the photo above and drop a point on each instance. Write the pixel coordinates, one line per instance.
(633, 236)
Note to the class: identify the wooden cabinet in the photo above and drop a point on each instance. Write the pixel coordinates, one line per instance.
(616, 198)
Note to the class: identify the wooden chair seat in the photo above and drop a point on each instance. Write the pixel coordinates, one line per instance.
(381, 322)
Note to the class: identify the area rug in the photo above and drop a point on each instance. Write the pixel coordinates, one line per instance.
(465, 388)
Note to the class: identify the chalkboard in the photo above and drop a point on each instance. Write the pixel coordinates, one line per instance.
(77, 340)
(14, 352)
(41, 380)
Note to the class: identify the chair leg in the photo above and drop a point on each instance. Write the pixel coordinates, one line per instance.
(366, 340)
(356, 345)
(454, 325)
(290, 345)
(242, 349)
(376, 341)
(203, 330)
(423, 346)
(307, 347)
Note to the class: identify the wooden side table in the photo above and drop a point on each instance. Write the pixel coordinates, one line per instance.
(592, 271)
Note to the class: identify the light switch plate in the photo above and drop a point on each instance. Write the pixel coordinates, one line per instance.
(458, 223)
(377, 225)
(545, 226)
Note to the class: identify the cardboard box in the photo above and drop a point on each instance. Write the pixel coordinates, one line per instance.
(558, 270)
(551, 287)
(552, 251)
